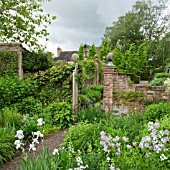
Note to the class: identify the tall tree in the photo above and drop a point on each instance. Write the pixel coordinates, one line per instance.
(91, 52)
(81, 52)
(104, 49)
(23, 21)
(147, 21)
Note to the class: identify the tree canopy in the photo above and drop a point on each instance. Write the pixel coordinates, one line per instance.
(24, 21)
(146, 22)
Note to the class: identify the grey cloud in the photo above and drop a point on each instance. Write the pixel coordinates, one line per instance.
(82, 21)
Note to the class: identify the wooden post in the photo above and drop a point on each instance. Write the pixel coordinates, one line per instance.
(75, 92)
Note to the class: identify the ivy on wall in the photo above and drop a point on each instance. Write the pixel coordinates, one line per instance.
(8, 64)
(33, 62)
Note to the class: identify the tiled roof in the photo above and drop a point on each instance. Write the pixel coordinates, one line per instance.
(66, 55)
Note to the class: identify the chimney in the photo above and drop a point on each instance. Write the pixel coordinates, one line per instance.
(58, 51)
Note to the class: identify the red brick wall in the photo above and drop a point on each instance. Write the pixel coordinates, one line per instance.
(113, 82)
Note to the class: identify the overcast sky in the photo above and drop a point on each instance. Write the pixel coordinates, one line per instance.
(82, 21)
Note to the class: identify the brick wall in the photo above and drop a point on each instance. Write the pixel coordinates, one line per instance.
(114, 82)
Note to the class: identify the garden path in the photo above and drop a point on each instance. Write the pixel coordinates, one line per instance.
(51, 141)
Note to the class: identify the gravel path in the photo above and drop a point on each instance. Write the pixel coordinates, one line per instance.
(51, 141)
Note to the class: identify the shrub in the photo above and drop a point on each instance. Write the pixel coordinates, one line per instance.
(93, 93)
(162, 75)
(6, 143)
(82, 135)
(90, 114)
(8, 64)
(10, 116)
(157, 111)
(157, 82)
(29, 105)
(13, 90)
(60, 113)
(29, 125)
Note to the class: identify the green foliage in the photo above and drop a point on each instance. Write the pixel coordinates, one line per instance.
(90, 114)
(157, 82)
(162, 75)
(91, 52)
(81, 52)
(93, 93)
(6, 143)
(87, 69)
(133, 60)
(157, 111)
(8, 64)
(29, 105)
(29, 125)
(142, 24)
(60, 113)
(104, 49)
(11, 117)
(33, 62)
(82, 135)
(21, 25)
(13, 90)
(55, 83)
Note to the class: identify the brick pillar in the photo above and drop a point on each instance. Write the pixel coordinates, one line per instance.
(109, 76)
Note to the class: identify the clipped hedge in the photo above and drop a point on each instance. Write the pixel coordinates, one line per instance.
(162, 75)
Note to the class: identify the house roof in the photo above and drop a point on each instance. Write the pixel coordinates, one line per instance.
(65, 55)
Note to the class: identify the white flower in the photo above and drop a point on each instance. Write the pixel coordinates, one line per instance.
(32, 147)
(79, 161)
(150, 126)
(40, 122)
(35, 140)
(19, 134)
(163, 157)
(108, 159)
(18, 144)
(38, 134)
(55, 152)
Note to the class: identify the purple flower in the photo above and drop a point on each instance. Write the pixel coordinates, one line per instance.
(112, 168)
(146, 145)
(166, 132)
(128, 146)
(125, 139)
(106, 150)
(111, 145)
(157, 125)
(117, 153)
(164, 140)
(102, 133)
(157, 149)
(118, 144)
(116, 139)
(102, 143)
(134, 144)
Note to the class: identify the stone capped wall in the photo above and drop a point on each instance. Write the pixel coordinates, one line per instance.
(116, 83)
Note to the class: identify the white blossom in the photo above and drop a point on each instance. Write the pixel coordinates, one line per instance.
(19, 134)
(32, 147)
(18, 144)
(55, 152)
(40, 122)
